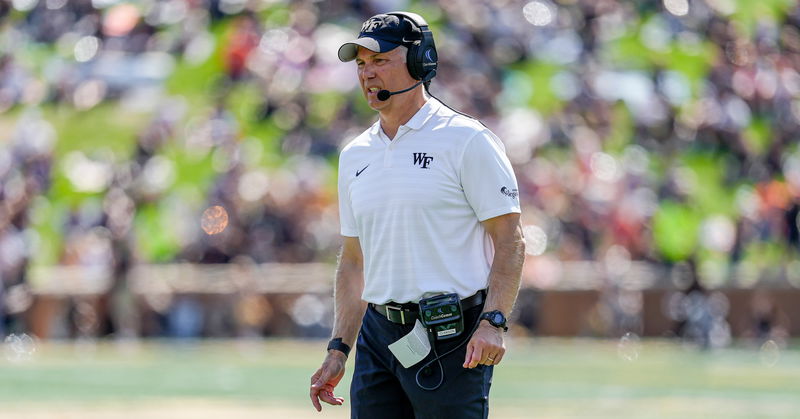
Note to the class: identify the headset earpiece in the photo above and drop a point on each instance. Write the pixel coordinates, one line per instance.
(422, 59)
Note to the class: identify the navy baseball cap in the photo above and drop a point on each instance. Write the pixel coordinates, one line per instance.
(381, 33)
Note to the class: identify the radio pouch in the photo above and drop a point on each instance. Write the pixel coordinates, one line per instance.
(442, 316)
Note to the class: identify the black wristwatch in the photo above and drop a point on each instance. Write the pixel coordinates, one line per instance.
(336, 343)
(496, 319)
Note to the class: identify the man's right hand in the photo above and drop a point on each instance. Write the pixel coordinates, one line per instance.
(326, 378)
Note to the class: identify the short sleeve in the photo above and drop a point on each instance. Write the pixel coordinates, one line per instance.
(487, 177)
(347, 220)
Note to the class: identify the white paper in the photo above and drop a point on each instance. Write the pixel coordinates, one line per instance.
(413, 347)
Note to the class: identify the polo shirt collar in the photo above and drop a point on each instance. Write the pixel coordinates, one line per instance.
(423, 114)
(376, 128)
(417, 121)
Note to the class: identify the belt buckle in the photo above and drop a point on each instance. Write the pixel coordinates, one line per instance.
(400, 309)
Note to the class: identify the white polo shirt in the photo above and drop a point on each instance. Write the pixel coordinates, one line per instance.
(416, 203)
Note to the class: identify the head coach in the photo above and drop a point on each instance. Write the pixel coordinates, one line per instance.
(432, 245)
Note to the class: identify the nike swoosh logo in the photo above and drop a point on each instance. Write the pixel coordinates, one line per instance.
(409, 41)
(358, 172)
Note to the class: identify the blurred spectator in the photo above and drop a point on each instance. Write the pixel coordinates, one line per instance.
(767, 321)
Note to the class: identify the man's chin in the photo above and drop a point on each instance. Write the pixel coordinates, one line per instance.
(376, 104)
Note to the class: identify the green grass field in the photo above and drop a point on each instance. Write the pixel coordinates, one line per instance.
(542, 378)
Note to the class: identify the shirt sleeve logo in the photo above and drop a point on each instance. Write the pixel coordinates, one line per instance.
(422, 160)
(511, 193)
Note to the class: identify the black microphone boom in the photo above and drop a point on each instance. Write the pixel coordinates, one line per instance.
(384, 95)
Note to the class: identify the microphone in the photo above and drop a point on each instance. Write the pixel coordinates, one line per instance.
(384, 95)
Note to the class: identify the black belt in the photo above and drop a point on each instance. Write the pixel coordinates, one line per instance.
(408, 313)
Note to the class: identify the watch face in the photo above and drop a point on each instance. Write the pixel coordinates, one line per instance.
(497, 318)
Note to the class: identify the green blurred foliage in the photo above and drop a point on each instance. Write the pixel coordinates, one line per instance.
(276, 15)
(765, 255)
(675, 230)
(106, 126)
(690, 58)
(758, 135)
(622, 129)
(195, 81)
(48, 218)
(750, 13)
(105, 132)
(676, 225)
(323, 108)
(155, 239)
(710, 195)
(540, 75)
(108, 131)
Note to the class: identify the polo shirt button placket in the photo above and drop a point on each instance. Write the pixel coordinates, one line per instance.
(387, 156)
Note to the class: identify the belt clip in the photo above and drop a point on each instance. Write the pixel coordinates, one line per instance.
(400, 309)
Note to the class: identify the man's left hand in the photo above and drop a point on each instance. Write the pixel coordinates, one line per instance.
(485, 347)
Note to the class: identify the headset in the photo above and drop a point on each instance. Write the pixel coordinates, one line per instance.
(422, 59)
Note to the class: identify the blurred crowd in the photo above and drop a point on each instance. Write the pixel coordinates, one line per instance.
(660, 131)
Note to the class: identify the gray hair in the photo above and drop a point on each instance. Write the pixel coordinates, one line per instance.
(404, 50)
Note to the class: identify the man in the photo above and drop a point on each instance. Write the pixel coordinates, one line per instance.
(428, 205)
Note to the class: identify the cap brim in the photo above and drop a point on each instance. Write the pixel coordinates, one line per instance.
(349, 50)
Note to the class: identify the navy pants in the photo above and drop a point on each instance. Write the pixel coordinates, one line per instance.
(382, 388)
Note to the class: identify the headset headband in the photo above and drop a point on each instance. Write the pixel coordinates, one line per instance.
(413, 17)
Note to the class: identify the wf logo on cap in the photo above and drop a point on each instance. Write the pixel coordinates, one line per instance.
(372, 24)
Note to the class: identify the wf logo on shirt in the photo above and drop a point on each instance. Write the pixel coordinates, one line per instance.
(422, 159)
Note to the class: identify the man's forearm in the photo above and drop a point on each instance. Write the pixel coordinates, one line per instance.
(348, 306)
(506, 272)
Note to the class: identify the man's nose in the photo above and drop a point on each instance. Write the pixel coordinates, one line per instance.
(367, 71)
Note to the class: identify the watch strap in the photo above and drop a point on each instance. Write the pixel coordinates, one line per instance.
(336, 343)
(489, 317)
